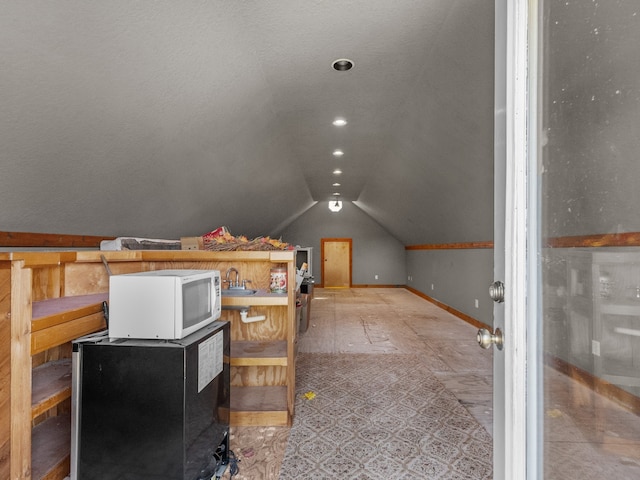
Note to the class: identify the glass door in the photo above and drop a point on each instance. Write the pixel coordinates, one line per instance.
(584, 130)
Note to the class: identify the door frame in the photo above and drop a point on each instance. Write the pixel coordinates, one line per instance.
(322, 259)
(516, 429)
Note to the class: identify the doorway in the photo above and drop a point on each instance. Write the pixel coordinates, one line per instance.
(336, 262)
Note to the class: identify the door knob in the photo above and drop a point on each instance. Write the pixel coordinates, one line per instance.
(496, 291)
(486, 338)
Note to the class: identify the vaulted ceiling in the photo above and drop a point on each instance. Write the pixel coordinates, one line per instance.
(166, 119)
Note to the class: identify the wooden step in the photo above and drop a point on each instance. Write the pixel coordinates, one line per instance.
(51, 384)
(247, 353)
(259, 406)
(50, 449)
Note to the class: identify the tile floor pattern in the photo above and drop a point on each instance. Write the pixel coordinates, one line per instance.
(380, 416)
(587, 437)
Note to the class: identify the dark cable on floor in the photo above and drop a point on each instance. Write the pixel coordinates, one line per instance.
(233, 465)
(221, 459)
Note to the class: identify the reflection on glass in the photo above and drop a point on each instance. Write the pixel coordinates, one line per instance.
(589, 197)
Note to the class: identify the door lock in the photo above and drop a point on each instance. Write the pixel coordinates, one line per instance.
(496, 291)
(486, 338)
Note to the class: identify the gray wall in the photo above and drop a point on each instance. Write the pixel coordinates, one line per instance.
(375, 251)
(459, 278)
(591, 117)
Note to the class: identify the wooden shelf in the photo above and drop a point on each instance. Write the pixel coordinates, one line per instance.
(55, 311)
(59, 320)
(51, 385)
(255, 406)
(262, 298)
(50, 448)
(44, 323)
(247, 353)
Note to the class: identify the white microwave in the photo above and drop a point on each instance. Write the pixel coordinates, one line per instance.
(163, 304)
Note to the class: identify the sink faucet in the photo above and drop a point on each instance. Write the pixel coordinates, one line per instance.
(231, 283)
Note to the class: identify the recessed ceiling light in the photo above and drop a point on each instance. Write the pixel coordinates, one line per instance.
(336, 184)
(339, 122)
(337, 194)
(337, 171)
(338, 153)
(342, 64)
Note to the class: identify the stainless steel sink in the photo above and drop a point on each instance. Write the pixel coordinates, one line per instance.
(238, 292)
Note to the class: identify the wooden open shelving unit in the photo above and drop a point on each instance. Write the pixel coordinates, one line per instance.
(48, 299)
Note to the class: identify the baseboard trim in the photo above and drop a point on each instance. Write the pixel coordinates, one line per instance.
(467, 318)
(598, 385)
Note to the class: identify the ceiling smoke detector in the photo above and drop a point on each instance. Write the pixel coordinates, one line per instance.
(342, 64)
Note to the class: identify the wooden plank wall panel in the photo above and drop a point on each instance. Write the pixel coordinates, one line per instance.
(90, 278)
(274, 327)
(258, 272)
(5, 370)
(256, 376)
(46, 282)
(20, 371)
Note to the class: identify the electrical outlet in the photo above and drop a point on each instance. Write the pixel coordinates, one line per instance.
(595, 347)
(477, 303)
(432, 286)
(376, 276)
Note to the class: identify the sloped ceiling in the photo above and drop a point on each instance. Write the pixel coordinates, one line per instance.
(166, 119)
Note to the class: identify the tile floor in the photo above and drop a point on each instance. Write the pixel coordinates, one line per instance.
(586, 436)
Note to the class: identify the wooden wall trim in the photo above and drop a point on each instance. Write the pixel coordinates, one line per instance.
(467, 318)
(630, 239)
(450, 246)
(51, 240)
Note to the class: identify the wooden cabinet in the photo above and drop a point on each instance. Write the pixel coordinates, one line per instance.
(41, 323)
(47, 299)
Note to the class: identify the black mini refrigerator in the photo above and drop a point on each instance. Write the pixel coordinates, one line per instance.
(150, 409)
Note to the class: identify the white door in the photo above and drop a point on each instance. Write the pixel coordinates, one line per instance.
(500, 90)
(510, 241)
(567, 376)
